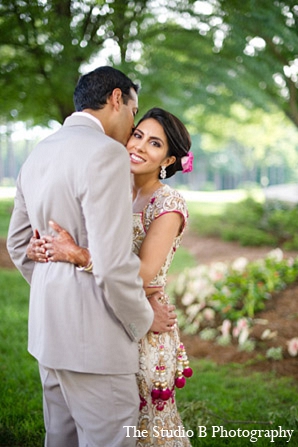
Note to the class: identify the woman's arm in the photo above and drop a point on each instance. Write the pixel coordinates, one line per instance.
(154, 250)
(157, 244)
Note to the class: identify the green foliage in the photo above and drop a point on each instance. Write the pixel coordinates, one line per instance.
(250, 222)
(49, 43)
(242, 293)
(216, 65)
(200, 57)
(266, 54)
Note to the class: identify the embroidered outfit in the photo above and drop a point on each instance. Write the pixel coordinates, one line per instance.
(163, 361)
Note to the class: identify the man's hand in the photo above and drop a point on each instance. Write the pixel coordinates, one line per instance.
(165, 317)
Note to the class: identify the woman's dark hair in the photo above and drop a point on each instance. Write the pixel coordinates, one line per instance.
(178, 138)
(94, 88)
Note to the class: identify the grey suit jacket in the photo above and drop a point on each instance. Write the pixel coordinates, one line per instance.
(80, 321)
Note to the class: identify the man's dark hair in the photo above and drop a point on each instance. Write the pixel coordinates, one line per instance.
(94, 88)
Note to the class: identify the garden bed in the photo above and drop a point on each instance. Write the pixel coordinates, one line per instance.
(281, 313)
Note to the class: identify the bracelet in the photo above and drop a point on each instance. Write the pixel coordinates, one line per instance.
(87, 268)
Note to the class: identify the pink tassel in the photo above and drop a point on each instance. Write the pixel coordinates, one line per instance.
(187, 372)
(155, 393)
(166, 394)
(180, 382)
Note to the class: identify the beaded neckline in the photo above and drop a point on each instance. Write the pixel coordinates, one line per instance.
(152, 199)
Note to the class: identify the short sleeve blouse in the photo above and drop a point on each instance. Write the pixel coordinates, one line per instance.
(164, 200)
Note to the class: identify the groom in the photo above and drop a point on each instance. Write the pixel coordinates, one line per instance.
(84, 328)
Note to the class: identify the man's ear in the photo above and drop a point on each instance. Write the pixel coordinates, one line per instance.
(116, 98)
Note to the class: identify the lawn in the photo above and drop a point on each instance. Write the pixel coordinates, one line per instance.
(227, 396)
(6, 205)
(21, 422)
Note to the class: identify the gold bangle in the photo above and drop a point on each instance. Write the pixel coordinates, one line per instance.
(87, 268)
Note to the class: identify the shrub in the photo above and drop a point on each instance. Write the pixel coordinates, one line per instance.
(253, 223)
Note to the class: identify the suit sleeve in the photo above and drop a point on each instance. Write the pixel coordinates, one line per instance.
(19, 234)
(107, 209)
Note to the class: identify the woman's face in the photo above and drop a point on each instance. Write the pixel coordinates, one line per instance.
(147, 148)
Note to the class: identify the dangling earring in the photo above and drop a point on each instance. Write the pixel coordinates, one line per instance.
(163, 172)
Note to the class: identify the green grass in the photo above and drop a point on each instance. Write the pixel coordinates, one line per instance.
(214, 202)
(182, 259)
(231, 397)
(21, 420)
(202, 206)
(213, 396)
(5, 213)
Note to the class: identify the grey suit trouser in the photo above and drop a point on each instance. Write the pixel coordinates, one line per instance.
(88, 410)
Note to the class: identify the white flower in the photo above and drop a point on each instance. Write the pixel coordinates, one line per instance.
(201, 270)
(187, 299)
(268, 335)
(217, 271)
(193, 310)
(293, 346)
(180, 284)
(244, 333)
(209, 314)
(239, 265)
(236, 331)
(277, 255)
(225, 327)
(242, 323)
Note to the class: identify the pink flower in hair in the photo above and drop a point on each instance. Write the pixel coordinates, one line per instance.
(187, 162)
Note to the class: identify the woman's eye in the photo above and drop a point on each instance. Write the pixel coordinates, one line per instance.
(156, 144)
(137, 135)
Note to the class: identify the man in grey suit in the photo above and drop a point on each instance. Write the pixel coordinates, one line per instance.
(84, 328)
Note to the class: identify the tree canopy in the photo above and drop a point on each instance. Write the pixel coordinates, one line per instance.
(195, 57)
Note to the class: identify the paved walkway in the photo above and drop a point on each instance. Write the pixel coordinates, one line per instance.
(286, 193)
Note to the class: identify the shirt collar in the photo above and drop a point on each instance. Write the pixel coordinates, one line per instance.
(88, 115)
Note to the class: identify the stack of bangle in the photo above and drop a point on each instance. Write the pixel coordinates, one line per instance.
(87, 268)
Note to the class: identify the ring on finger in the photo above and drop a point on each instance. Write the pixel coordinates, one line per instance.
(48, 253)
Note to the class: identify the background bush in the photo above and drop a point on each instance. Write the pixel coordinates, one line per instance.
(250, 222)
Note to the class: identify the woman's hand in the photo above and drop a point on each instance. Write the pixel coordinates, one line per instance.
(58, 248)
(62, 247)
(36, 250)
